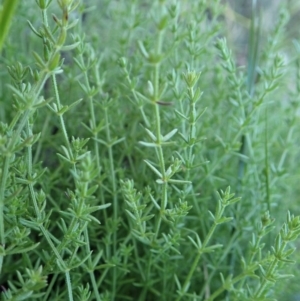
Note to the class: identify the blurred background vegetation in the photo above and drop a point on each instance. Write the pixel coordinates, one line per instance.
(238, 15)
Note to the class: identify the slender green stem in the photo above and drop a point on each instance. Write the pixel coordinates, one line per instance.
(160, 154)
(93, 116)
(222, 289)
(61, 118)
(148, 273)
(196, 260)
(39, 215)
(225, 253)
(93, 121)
(267, 174)
(6, 16)
(253, 49)
(238, 278)
(69, 285)
(114, 192)
(192, 137)
(40, 142)
(190, 275)
(270, 273)
(136, 98)
(11, 144)
(90, 264)
(50, 286)
(254, 253)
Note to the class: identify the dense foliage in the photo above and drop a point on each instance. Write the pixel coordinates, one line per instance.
(141, 158)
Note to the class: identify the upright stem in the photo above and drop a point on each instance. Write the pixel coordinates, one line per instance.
(39, 215)
(11, 144)
(61, 118)
(160, 154)
(91, 273)
(114, 192)
(270, 273)
(196, 261)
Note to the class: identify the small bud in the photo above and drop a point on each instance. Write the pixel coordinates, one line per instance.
(41, 4)
(191, 78)
(143, 50)
(122, 62)
(162, 23)
(150, 88)
(56, 20)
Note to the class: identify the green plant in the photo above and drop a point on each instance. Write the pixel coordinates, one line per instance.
(6, 14)
(116, 135)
